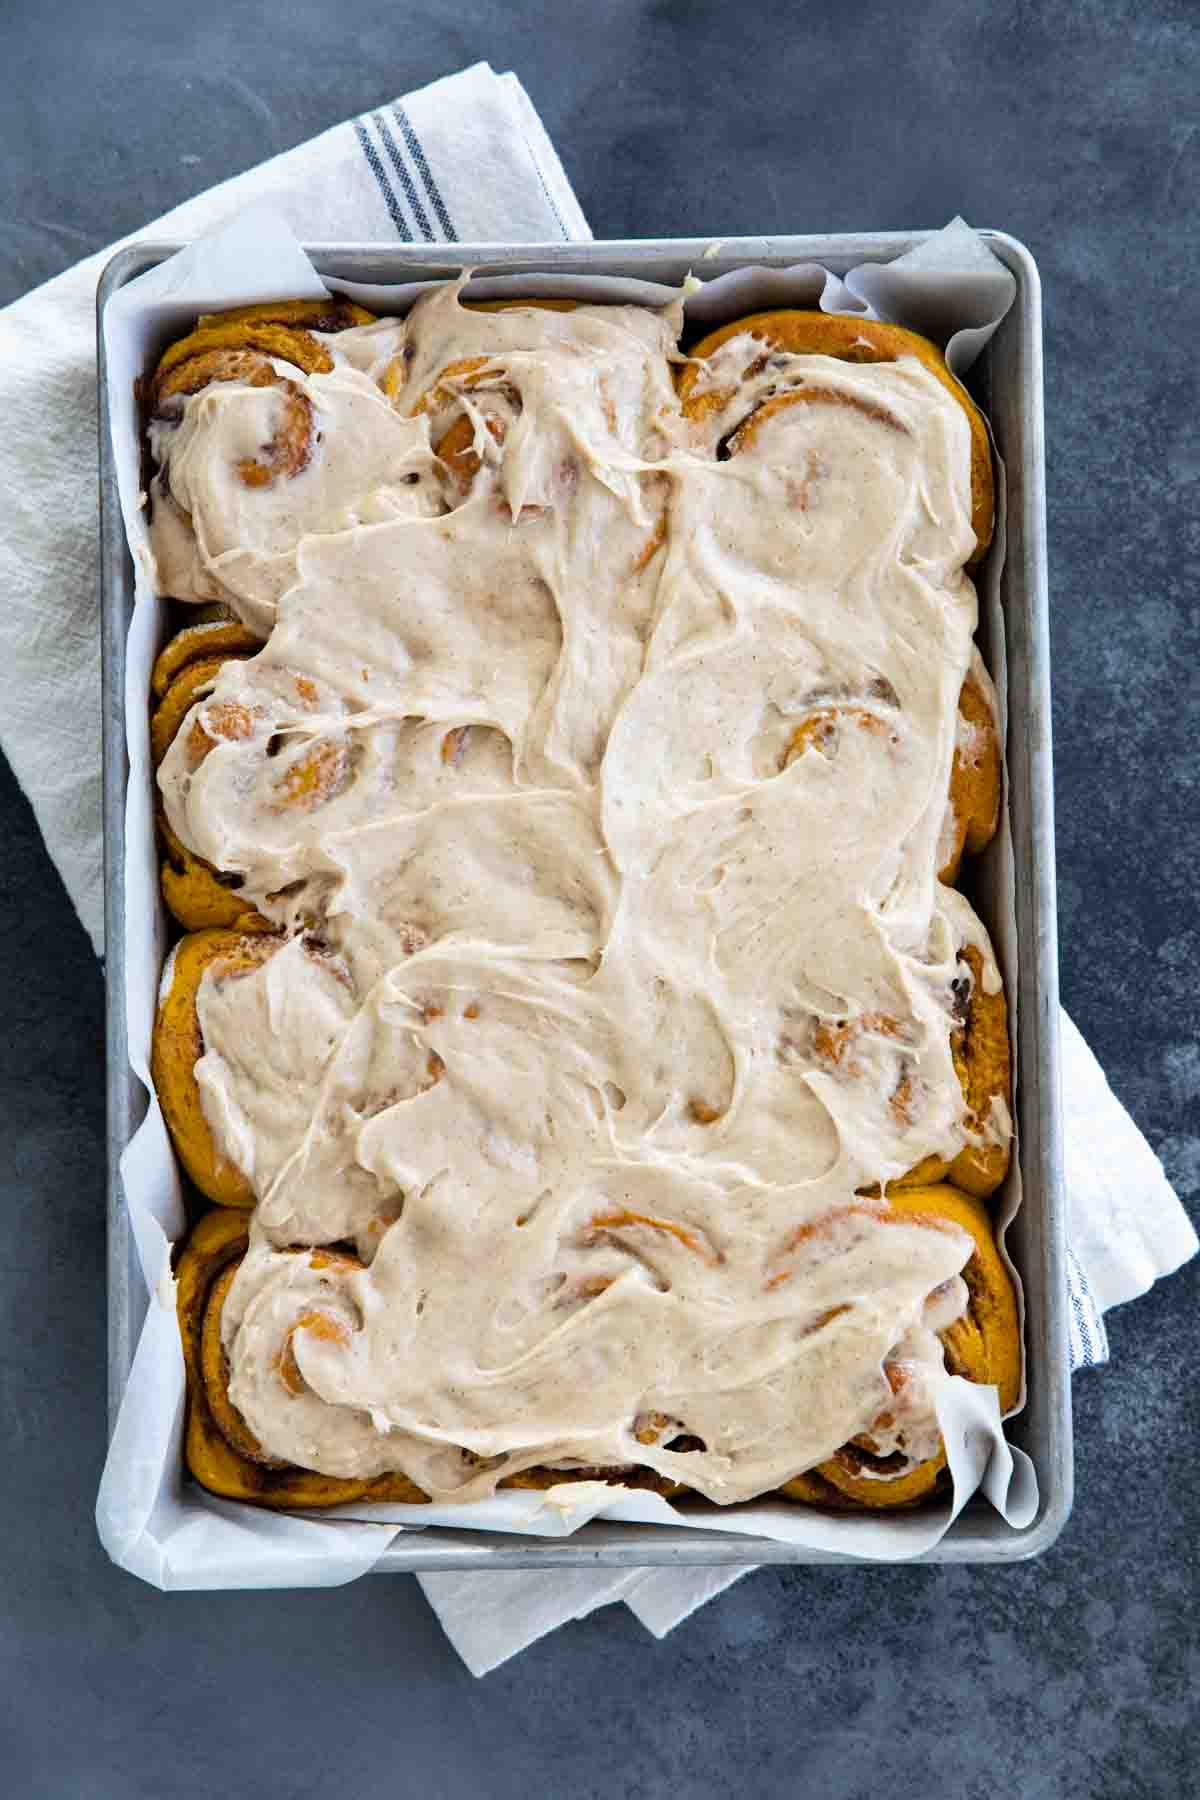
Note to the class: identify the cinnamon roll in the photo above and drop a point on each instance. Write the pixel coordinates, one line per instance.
(979, 1047)
(213, 631)
(265, 424)
(900, 1459)
(285, 330)
(178, 1044)
(973, 803)
(246, 346)
(883, 1046)
(220, 1449)
(197, 895)
(731, 379)
(394, 379)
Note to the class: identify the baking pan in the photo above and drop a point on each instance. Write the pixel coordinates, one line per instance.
(1007, 380)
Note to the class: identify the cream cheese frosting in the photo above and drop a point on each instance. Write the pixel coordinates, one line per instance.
(598, 779)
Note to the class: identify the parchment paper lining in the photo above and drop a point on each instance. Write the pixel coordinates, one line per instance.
(153, 1520)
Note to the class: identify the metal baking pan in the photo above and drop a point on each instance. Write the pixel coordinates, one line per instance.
(1007, 381)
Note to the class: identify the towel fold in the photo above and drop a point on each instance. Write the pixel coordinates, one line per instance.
(464, 160)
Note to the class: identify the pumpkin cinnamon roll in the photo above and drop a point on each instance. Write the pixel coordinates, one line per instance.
(283, 329)
(178, 1044)
(263, 424)
(194, 682)
(474, 402)
(214, 631)
(973, 798)
(220, 1448)
(197, 895)
(470, 396)
(901, 1460)
(755, 357)
(246, 346)
(396, 374)
(983, 1064)
(973, 804)
(883, 1047)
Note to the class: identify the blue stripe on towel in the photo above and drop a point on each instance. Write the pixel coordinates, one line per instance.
(405, 179)
(1089, 1339)
(385, 187)
(421, 163)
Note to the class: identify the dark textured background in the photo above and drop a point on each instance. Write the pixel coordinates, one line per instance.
(1071, 125)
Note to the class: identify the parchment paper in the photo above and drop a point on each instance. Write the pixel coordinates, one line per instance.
(152, 1519)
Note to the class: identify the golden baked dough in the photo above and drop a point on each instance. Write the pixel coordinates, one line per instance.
(804, 333)
(177, 1046)
(282, 328)
(984, 1346)
(975, 781)
(197, 895)
(212, 631)
(335, 313)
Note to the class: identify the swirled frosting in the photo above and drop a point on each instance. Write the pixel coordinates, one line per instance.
(597, 774)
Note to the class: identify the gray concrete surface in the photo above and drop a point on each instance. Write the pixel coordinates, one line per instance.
(1073, 126)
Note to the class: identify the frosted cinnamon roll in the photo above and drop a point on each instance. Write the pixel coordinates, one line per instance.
(739, 377)
(473, 402)
(264, 424)
(976, 778)
(246, 347)
(221, 1450)
(982, 1061)
(969, 1328)
(972, 810)
(178, 1044)
(196, 894)
(458, 372)
(884, 1049)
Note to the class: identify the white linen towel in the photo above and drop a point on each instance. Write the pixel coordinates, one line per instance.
(465, 159)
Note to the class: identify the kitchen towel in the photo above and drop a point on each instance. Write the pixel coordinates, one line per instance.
(465, 159)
